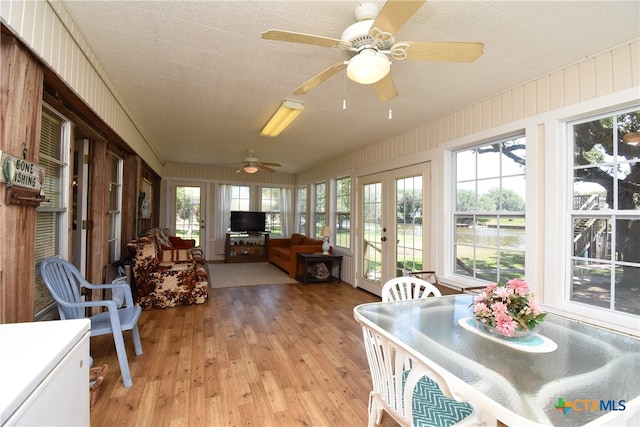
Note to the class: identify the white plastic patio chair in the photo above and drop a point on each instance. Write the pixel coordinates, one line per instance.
(411, 392)
(65, 283)
(407, 287)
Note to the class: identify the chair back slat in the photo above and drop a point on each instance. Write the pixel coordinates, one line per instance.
(407, 388)
(64, 283)
(407, 287)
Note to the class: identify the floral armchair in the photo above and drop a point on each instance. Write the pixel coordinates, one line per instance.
(166, 273)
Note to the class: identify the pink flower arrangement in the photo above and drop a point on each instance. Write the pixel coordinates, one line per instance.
(508, 308)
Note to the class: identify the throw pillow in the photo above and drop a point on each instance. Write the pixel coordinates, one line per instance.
(179, 243)
(175, 255)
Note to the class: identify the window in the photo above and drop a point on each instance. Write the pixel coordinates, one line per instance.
(320, 198)
(409, 202)
(301, 210)
(605, 214)
(52, 214)
(271, 205)
(342, 229)
(489, 220)
(115, 207)
(240, 198)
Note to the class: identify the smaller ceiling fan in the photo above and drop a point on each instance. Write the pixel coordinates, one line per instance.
(252, 164)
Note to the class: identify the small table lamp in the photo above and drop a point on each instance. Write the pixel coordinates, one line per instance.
(325, 237)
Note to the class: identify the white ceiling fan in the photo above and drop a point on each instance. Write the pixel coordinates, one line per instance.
(252, 164)
(369, 44)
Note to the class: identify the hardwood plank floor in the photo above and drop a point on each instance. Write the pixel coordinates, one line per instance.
(271, 355)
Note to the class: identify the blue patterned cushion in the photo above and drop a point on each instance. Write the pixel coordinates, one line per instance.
(432, 408)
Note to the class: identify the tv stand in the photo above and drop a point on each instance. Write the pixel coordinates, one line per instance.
(246, 247)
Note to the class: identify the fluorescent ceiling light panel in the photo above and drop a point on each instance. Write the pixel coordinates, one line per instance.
(282, 118)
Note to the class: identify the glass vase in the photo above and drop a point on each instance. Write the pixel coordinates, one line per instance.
(519, 333)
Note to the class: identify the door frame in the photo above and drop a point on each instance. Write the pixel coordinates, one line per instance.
(79, 234)
(388, 180)
(171, 220)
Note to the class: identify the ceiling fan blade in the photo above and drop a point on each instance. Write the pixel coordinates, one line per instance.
(266, 168)
(277, 165)
(437, 51)
(325, 75)
(396, 13)
(289, 36)
(385, 89)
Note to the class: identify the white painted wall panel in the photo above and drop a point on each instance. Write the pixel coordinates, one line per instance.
(496, 110)
(556, 92)
(485, 114)
(506, 107)
(604, 74)
(529, 101)
(635, 63)
(587, 80)
(621, 63)
(542, 95)
(571, 83)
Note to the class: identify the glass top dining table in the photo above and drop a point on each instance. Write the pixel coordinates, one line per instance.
(591, 377)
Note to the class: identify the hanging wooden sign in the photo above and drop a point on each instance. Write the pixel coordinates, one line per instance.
(21, 173)
(24, 180)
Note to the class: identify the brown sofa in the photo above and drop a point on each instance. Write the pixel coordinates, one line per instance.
(168, 271)
(283, 251)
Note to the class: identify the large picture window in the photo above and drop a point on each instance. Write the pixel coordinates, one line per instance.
(605, 215)
(489, 219)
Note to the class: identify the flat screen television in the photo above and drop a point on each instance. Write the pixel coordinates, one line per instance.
(242, 221)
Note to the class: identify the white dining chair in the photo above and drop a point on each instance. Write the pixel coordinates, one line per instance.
(407, 287)
(411, 392)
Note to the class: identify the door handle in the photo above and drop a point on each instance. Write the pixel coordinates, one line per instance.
(383, 239)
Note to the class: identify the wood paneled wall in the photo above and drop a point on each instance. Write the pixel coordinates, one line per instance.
(49, 30)
(20, 111)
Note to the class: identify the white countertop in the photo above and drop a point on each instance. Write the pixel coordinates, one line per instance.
(28, 352)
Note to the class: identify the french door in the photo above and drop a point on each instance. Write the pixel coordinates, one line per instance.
(394, 225)
(188, 216)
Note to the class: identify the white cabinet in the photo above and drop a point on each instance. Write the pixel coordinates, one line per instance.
(44, 367)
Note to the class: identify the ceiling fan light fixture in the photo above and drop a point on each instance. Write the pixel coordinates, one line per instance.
(282, 118)
(250, 168)
(368, 67)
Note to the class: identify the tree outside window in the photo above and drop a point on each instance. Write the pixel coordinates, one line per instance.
(605, 216)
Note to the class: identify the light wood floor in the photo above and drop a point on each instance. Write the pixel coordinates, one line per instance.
(272, 355)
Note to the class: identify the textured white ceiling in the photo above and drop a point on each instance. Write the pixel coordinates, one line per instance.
(201, 82)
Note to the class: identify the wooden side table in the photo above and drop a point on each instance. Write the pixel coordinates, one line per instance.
(304, 261)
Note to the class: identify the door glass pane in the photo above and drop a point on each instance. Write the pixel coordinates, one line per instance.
(372, 232)
(188, 213)
(408, 225)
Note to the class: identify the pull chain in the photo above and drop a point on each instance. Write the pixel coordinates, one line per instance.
(344, 90)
